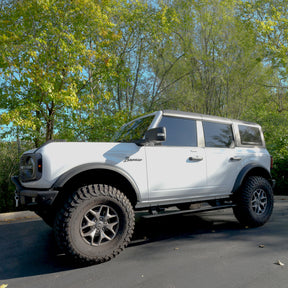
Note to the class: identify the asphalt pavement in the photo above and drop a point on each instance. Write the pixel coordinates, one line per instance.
(202, 250)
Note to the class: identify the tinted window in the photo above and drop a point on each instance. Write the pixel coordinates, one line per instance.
(179, 131)
(250, 135)
(218, 135)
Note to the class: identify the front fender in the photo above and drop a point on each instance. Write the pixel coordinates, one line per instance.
(64, 178)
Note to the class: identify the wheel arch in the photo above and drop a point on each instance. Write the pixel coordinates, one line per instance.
(97, 174)
(251, 170)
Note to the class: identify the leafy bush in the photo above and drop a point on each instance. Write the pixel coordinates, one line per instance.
(10, 153)
(279, 151)
(8, 162)
(280, 174)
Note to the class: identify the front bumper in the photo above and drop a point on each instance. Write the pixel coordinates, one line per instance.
(31, 198)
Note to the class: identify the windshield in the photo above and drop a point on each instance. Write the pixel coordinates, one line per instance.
(134, 131)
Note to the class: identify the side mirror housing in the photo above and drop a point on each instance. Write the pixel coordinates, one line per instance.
(155, 135)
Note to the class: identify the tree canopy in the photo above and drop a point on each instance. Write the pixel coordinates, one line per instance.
(67, 65)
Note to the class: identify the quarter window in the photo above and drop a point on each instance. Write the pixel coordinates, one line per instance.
(250, 135)
(179, 131)
(133, 131)
(218, 135)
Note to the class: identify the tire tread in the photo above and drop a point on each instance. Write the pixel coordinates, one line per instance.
(61, 224)
(243, 211)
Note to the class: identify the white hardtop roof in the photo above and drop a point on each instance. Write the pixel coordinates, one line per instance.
(183, 114)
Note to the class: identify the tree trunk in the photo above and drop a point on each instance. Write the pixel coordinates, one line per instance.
(50, 123)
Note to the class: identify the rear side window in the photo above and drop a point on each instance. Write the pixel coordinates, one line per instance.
(250, 135)
(179, 131)
(218, 135)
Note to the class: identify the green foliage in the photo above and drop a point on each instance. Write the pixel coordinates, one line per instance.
(9, 160)
(101, 127)
(280, 166)
(144, 27)
(269, 19)
(275, 126)
(214, 67)
(49, 52)
(8, 166)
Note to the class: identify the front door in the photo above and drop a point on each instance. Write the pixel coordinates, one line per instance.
(177, 168)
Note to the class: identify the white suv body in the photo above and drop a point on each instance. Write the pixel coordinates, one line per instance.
(162, 159)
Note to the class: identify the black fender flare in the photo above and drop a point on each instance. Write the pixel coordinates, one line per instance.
(253, 169)
(65, 177)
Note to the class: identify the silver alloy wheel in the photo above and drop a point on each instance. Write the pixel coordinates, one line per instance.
(99, 225)
(259, 201)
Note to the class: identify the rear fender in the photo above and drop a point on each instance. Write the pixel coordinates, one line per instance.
(251, 170)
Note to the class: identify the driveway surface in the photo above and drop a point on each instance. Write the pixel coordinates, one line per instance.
(198, 250)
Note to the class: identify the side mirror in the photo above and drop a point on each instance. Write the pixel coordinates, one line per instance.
(155, 135)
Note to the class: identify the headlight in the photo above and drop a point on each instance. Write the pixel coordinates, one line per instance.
(30, 167)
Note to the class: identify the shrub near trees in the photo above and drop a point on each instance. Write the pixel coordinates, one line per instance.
(8, 166)
(78, 70)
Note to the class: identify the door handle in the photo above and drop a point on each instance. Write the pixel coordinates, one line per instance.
(195, 158)
(235, 158)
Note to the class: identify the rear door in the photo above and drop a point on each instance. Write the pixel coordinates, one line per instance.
(223, 160)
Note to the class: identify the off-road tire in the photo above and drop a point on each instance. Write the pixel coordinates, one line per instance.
(82, 240)
(254, 202)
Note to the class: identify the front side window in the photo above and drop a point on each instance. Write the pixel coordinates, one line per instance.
(218, 135)
(250, 135)
(134, 130)
(179, 131)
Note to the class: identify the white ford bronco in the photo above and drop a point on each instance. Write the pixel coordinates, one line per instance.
(89, 191)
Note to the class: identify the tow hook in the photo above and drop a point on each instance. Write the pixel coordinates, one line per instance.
(16, 200)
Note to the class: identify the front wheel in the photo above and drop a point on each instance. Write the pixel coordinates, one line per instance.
(254, 202)
(95, 224)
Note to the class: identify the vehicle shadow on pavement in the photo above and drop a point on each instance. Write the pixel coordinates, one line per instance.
(29, 248)
(180, 226)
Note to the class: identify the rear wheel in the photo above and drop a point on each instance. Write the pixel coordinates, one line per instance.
(254, 202)
(95, 224)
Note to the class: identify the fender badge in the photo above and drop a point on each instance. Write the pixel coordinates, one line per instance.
(127, 159)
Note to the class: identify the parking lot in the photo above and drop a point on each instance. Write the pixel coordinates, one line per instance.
(198, 250)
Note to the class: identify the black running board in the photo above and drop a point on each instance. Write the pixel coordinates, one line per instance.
(204, 209)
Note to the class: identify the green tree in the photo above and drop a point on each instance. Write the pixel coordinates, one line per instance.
(47, 52)
(218, 65)
(269, 18)
(126, 91)
(144, 27)
(69, 65)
